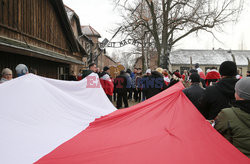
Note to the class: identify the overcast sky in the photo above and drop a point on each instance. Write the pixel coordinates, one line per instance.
(101, 16)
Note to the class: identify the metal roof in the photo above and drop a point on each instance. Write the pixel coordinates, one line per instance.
(209, 57)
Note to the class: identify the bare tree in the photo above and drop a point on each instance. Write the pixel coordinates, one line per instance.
(127, 59)
(169, 21)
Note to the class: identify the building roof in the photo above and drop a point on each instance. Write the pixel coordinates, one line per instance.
(90, 31)
(241, 56)
(209, 57)
(61, 12)
(110, 58)
(71, 14)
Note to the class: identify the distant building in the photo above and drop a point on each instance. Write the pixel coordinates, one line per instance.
(88, 37)
(152, 63)
(85, 42)
(39, 34)
(185, 59)
(105, 60)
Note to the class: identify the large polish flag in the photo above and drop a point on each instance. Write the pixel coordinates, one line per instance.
(44, 121)
(39, 114)
(166, 129)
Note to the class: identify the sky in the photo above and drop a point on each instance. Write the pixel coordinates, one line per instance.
(100, 14)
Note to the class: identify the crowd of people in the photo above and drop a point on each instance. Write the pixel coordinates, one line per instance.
(221, 96)
(7, 73)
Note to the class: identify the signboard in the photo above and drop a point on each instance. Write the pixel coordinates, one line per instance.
(124, 43)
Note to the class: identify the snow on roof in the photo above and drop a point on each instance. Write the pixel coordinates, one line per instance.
(90, 31)
(241, 57)
(69, 11)
(208, 57)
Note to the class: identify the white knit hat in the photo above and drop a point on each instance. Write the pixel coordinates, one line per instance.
(148, 71)
(21, 69)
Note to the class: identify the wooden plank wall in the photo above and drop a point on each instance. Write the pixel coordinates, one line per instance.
(44, 68)
(34, 22)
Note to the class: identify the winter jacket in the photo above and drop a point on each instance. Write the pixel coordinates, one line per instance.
(86, 73)
(234, 124)
(218, 97)
(120, 83)
(72, 78)
(133, 78)
(139, 82)
(129, 80)
(201, 73)
(79, 76)
(194, 94)
(154, 84)
(107, 83)
(173, 81)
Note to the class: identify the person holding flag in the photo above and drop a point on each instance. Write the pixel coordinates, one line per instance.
(106, 82)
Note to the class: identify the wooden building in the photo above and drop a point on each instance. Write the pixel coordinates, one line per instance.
(88, 37)
(85, 41)
(95, 51)
(38, 33)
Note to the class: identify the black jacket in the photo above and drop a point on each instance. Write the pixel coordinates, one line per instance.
(194, 94)
(86, 73)
(120, 83)
(154, 84)
(218, 97)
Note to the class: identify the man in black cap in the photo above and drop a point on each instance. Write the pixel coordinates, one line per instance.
(220, 95)
(195, 91)
(201, 80)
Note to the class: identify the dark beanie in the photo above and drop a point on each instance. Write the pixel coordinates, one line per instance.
(195, 78)
(105, 68)
(228, 68)
(193, 71)
(197, 65)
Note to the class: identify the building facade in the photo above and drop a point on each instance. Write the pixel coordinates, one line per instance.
(38, 34)
(186, 59)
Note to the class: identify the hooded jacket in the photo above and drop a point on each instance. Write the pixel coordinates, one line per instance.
(218, 97)
(234, 124)
(154, 84)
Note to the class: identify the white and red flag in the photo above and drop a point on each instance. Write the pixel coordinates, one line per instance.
(44, 123)
(39, 114)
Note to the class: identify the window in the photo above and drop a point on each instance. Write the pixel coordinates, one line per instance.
(184, 68)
